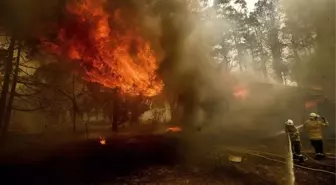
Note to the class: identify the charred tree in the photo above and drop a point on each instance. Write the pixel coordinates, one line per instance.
(74, 104)
(6, 81)
(119, 113)
(275, 47)
(8, 110)
(115, 116)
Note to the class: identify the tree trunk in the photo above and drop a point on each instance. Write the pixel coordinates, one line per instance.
(8, 110)
(242, 66)
(224, 65)
(297, 61)
(276, 55)
(6, 82)
(174, 108)
(74, 105)
(73, 117)
(115, 126)
(116, 115)
(263, 67)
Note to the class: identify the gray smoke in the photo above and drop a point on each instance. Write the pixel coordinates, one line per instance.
(187, 69)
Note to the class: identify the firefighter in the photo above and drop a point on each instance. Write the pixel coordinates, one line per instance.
(294, 136)
(314, 127)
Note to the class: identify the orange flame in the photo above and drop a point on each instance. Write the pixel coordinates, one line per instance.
(117, 57)
(310, 104)
(102, 141)
(240, 92)
(174, 129)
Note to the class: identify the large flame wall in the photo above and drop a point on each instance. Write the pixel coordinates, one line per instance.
(108, 48)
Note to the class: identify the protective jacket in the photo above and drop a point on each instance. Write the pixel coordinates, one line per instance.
(293, 132)
(314, 128)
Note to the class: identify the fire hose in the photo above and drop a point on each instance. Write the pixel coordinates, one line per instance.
(316, 161)
(255, 153)
(296, 165)
(283, 157)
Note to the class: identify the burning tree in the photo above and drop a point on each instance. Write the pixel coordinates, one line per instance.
(107, 47)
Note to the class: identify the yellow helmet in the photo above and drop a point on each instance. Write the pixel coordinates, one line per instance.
(313, 115)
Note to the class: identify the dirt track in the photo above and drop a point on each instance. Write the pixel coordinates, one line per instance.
(147, 160)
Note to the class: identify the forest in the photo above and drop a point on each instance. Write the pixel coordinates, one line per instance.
(274, 41)
(94, 68)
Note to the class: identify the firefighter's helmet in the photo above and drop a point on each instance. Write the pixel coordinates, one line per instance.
(313, 115)
(289, 122)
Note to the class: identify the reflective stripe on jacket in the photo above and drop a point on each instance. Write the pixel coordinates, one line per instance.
(314, 128)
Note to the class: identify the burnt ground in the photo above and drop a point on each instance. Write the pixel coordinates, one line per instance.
(151, 159)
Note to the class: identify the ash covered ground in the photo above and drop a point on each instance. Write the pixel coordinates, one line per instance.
(155, 159)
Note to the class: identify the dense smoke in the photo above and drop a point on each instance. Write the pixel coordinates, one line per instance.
(187, 68)
(191, 75)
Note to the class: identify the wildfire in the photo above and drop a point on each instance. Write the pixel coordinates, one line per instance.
(109, 49)
(240, 92)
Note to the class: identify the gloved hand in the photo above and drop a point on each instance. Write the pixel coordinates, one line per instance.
(320, 117)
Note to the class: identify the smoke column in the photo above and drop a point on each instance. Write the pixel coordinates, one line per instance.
(187, 69)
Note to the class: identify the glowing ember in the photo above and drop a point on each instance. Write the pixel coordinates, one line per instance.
(174, 129)
(240, 92)
(108, 48)
(102, 141)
